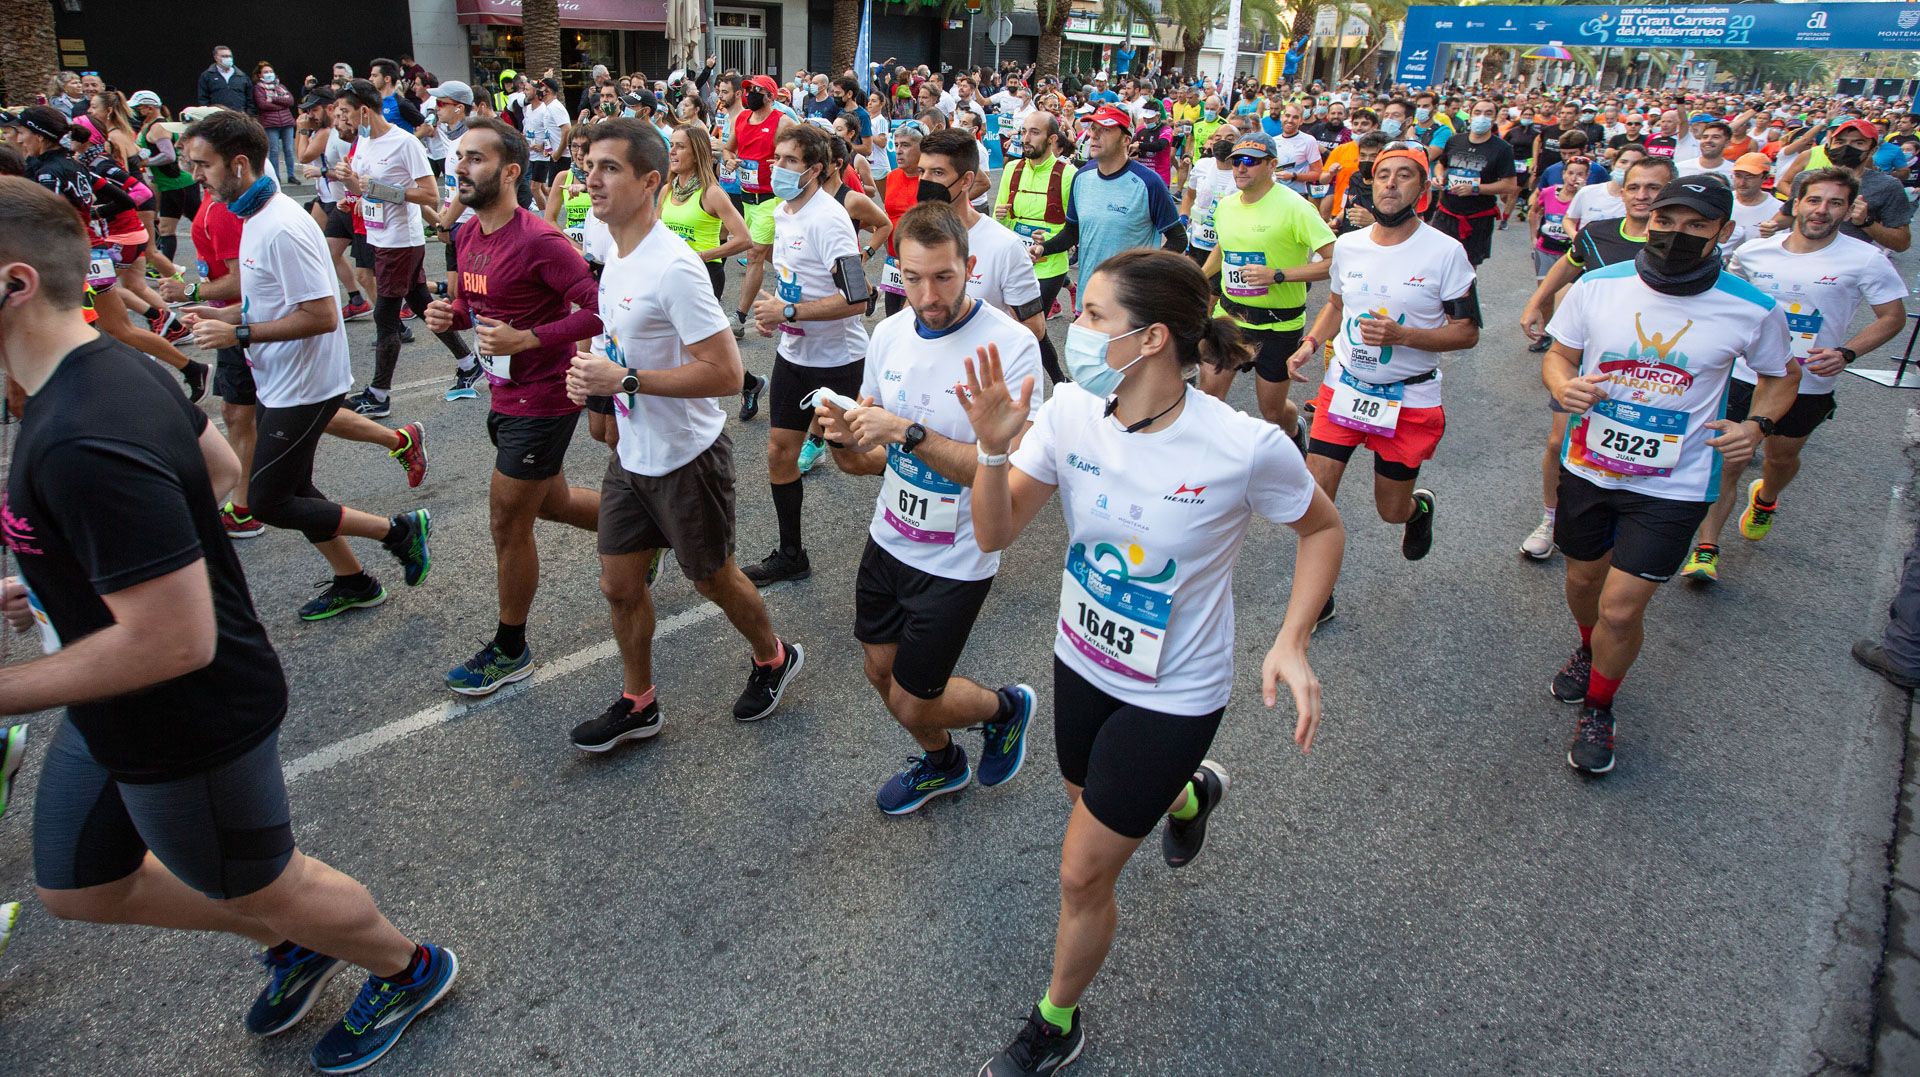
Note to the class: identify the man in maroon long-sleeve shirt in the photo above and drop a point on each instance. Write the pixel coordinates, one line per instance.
(531, 298)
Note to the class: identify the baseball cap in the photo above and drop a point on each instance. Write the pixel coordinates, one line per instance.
(1109, 116)
(642, 99)
(551, 84)
(1099, 76)
(43, 120)
(1706, 195)
(1255, 143)
(1756, 163)
(453, 91)
(764, 84)
(1701, 117)
(318, 96)
(143, 97)
(1871, 132)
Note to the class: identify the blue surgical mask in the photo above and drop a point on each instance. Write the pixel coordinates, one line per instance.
(1619, 175)
(1210, 113)
(366, 130)
(1390, 128)
(787, 183)
(1087, 360)
(1481, 125)
(1422, 115)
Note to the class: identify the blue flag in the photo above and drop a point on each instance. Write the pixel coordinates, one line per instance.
(863, 51)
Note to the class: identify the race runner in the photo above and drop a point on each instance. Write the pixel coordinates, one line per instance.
(922, 578)
(1143, 658)
(1117, 203)
(1033, 197)
(669, 352)
(1642, 462)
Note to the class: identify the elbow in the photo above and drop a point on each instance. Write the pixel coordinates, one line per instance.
(181, 653)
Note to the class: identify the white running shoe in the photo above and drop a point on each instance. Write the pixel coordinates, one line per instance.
(1539, 545)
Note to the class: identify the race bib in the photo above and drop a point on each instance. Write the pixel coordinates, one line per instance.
(100, 273)
(453, 188)
(1803, 326)
(1203, 234)
(920, 503)
(49, 636)
(577, 233)
(200, 267)
(1319, 190)
(1461, 179)
(890, 279)
(372, 213)
(1633, 439)
(498, 367)
(1554, 226)
(749, 173)
(1117, 624)
(1234, 281)
(1363, 406)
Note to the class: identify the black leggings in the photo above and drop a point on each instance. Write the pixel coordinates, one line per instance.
(1049, 359)
(386, 327)
(1131, 762)
(281, 487)
(894, 302)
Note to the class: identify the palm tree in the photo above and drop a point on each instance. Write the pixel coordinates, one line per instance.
(28, 57)
(846, 36)
(540, 33)
(1193, 18)
(1053, 22)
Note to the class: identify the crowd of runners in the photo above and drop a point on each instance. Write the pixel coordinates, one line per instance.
(1701, 259)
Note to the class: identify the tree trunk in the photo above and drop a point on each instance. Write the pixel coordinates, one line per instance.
(1053, 27)
(846, 34)
(540, 36)
(28, 57)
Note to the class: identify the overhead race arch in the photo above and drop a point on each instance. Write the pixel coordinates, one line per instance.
(1430, 30)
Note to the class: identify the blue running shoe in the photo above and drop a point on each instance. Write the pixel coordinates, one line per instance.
(381, 1013)
(811, 450)
(921, 782)
(1005, 743)
(296, 980)
(13, 752)
(408, 544)
(489, 671)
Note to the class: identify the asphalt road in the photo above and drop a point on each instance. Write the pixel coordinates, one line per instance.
(1432, 890)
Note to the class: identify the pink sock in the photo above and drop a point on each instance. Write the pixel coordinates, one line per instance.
(640, 701)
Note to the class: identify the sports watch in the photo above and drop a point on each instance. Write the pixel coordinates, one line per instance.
(1847, 355)
(912, 438)
(631, 383)
(790, 312)
(242, 335)
(1765, 424)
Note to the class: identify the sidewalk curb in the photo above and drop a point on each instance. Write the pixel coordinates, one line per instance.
(1896, 1017)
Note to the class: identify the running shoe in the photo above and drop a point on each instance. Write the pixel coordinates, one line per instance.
(1302, 428)
(1180, 842)
(1004, 744)
(906, 791)
(13, 752)
(1326, 614)
(1757, 520)
(1539, 544)
(811, 450)
(490, 670)
(1419, 536)
(156, 319)
(413, 454)
(739, 330)
(1702, 563)
(654, 564)
(406, 333)
(175, 330)
(1872, 653)
(619, 723)
(295, 980)
(238, 526)
(766, 684)
(365, 403)
(463, 384)
(408, 544)
(1039, 1049)
(355, 309)
(9, 918)
(780, 565)
(406, 313)
(382, 1012)
(750, 402)
(338, 598)
(1570, 684)
(1592, 749)
(1541, 346)
(196, 375)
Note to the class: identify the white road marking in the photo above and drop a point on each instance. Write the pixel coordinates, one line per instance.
(441, 713)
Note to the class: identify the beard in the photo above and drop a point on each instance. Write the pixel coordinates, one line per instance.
(483, 191)
(1816, 231)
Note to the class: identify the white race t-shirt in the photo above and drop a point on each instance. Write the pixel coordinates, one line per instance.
(1596, 202)
(545, 124)
(450, 183)
(805, 243)
(1406, 282)
(1747, 220)
(284, 262)
(1819, 293)
(1154, 525)
(394, 158)
(1002, 271)
(921, 517)
(335, 151)
(653, 303)
(1670, 358)
(1298, 152)
(1209, 184)
(1692, 167)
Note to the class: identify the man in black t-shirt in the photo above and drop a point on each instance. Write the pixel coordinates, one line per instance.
(1475, 170)
(174, 696)
(1546, 147)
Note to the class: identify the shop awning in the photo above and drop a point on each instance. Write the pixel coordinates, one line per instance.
(574, 14)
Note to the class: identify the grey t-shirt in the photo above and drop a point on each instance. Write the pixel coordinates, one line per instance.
(1886, 204)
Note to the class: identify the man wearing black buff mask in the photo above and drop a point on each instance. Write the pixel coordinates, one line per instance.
(1642, 356)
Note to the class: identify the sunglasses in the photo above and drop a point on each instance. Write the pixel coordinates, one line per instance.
(1579, 162)
(1247, 160)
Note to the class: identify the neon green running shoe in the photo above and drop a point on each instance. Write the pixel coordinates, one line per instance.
(1757, 520)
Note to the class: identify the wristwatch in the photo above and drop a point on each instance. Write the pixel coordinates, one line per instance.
(911, 440)
(1847, 355)
(631, 383)
(790, 313)
(242, 334)
(1765, 424)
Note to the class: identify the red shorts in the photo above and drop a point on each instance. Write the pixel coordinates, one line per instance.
(1413, 442)
(127, 255)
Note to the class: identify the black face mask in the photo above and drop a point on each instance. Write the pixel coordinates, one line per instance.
(1223, 152)
(1399, 216)
(756, 100)
(1847, 156)
(1675, 263)
(1365, 173)
(934, 192)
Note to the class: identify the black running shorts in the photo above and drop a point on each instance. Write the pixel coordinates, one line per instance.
(1648, 536)
(1809, 410)
(1130, 761)
(233, 378)
(927, 616)
(792, 383)
(530, 447)
(225, 832)
(1273, 347)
